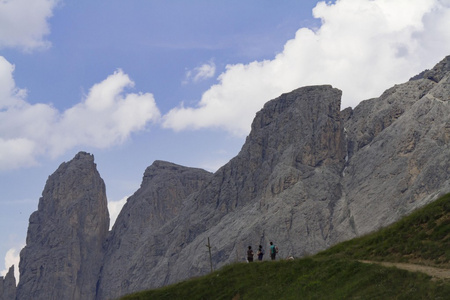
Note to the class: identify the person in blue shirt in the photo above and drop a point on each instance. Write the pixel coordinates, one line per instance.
(273, 251)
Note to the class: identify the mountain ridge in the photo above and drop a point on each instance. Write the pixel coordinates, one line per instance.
(308, 176)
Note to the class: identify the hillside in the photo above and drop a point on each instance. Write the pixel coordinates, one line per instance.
(421, 238)
(337, 273)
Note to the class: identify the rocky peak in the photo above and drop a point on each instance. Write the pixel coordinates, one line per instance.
(435, 74)
(160, 198)
(8, 286)
(164, 188)
(290, 136)
(372, 116)
(439, 71)
(314, 110)
(63, 254)
(263, 193)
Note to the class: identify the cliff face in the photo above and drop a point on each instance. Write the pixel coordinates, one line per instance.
(158, 200)
(259, 195)
(64, 250)
(8, 286)
(308, 176)
(398, 152)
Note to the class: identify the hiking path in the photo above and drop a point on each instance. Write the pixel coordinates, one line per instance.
(432, 271)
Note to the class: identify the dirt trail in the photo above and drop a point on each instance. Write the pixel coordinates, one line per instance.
(434, 272)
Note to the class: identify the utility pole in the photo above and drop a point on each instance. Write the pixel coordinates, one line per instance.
(210, 258)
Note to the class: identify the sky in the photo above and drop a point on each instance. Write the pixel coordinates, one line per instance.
(134, 81)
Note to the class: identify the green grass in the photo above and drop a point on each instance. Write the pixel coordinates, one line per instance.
(304, 279)
(335, 273)
(422, 237)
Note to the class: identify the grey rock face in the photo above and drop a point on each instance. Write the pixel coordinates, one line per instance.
(280, 175)
(158, 200)
(64, 249)
(439, 71)
(398, 151)
(8, 286)
(307, 177)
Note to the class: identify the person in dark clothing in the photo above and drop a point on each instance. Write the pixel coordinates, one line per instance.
(260, 253)
(249, 254)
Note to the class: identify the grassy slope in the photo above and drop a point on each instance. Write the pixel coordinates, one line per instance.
(423, 237)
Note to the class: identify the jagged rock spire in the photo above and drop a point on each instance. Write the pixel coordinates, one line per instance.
(64, 250)
(8, 285)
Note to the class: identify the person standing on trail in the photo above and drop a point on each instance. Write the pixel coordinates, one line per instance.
(273, 251)
(249, 254)
(260, 253)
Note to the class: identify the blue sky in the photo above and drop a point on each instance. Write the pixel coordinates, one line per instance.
(136, 81)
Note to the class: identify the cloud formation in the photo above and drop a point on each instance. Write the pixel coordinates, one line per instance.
(362, 47)
(23, 23)
(107, 116)
(12, 257)
(201, 73)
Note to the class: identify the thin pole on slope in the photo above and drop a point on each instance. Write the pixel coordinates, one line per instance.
(210, 258)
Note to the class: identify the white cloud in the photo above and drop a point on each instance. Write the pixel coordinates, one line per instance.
(201, 73)
(106, 117)
(213, 165)
(16, 152)
(114, 208)
(12, 257)
(362, 47)
(23, 23)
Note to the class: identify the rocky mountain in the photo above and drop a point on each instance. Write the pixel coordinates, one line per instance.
(245, 201)
(398, 148)
(8, 285)
(64, 250)
(308, 176)
(158, 200)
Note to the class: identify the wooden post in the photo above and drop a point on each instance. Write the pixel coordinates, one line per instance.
(210, 258)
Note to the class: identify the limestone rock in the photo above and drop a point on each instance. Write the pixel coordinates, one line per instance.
(158, 200)
(262, 194)
(64, 247)
(8, 286)
(307, 177)
(439, 71)
(398, 151)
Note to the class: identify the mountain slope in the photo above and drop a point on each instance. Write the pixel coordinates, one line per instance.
(335, 273)
(309, 176)
(422, 237)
